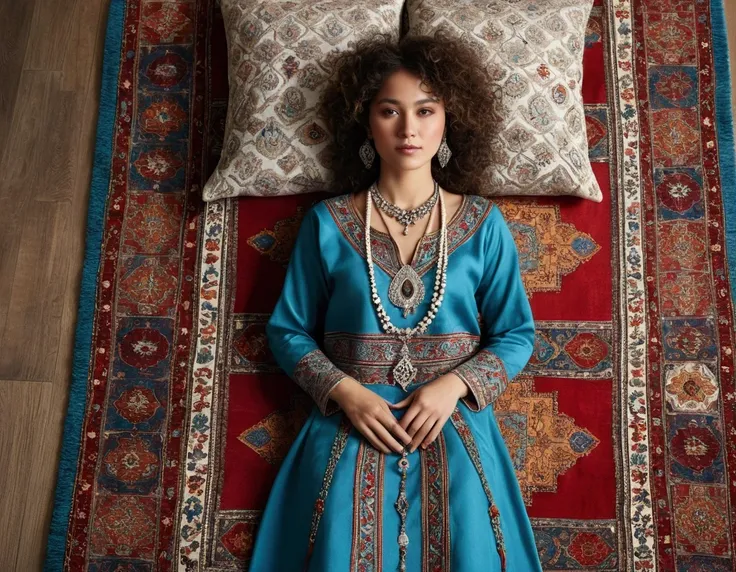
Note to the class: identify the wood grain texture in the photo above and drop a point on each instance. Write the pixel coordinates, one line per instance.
(15, 24)
(24, 409)
(55, 18)
(50, 65)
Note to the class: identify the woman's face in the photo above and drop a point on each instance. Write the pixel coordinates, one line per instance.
(406, 122)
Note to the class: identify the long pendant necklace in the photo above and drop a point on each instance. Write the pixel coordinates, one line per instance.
(407, 217)
(405, 372)
(406, 290)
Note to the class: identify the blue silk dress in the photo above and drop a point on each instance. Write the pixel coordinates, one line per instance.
(331, 508)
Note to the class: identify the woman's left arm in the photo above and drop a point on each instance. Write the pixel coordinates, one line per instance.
(508, 326)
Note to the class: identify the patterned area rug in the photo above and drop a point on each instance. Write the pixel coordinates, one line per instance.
(621, 426)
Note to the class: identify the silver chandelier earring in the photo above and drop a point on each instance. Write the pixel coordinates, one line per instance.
(444, 153)
(367, 154)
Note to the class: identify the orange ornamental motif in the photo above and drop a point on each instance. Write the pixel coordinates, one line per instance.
(137, 405)
(167, 22)
(132, 460)
(238, 540)
(548, 248)
(543, 442)
(158, 164)
(676, 135)
(277, 243)
(271, 437)
(700, 516)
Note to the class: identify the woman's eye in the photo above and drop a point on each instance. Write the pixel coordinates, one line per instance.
(388, 111)
(425, 111)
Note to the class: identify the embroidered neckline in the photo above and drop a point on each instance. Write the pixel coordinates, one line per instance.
(466, 220)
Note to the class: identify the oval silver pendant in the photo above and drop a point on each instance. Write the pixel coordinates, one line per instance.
(406, 290)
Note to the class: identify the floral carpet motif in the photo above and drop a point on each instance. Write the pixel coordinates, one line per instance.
(548, 248)
(621, 424)
(543, 443)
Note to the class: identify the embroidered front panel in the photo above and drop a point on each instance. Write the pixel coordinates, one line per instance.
(469, 441)
(338, 446)
(435, 508)
(485, 376)
(370, 358)
(367, 513)
(317, 375)
(463, 225)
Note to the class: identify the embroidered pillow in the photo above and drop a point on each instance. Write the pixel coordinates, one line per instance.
(279, 55)
(534, 50)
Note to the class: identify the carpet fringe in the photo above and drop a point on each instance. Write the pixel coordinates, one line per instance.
(98, 197)
(724, 131)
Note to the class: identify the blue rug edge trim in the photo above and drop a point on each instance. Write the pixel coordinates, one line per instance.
(98, 196)
(725, 134)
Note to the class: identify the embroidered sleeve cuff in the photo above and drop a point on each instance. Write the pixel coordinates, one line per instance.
(485, 376)
(317, 375)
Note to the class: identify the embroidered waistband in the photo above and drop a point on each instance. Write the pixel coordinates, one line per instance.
(370, 358)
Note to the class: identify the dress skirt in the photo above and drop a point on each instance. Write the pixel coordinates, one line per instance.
(336, 488)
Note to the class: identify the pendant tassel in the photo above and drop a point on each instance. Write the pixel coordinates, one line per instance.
(402, 507)
(495, 515)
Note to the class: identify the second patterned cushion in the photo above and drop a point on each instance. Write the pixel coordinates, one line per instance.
(534, 50)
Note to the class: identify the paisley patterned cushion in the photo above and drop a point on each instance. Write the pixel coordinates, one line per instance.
(534, 50)
(278, 59)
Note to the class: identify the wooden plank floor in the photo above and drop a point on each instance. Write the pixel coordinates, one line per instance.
(50, 64)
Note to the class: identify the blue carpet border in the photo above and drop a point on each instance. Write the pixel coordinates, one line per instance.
(724, 131)
(98, 197)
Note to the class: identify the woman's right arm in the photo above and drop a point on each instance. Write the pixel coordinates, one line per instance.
(297, 321)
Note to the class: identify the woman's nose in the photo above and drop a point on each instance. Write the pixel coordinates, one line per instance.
(407, 127)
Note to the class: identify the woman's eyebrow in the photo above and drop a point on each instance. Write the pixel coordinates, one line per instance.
(418, 102)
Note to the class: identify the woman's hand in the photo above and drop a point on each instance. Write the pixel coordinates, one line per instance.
(430, 406)
(370, 414)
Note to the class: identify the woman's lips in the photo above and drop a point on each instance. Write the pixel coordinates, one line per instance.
(408, 150)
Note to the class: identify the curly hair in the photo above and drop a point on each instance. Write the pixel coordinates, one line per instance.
(449, 68)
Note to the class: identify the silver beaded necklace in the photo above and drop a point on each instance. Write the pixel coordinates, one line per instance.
(405, 372)
(407, 217)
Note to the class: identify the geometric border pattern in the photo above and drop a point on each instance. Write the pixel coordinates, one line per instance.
(635, 406)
